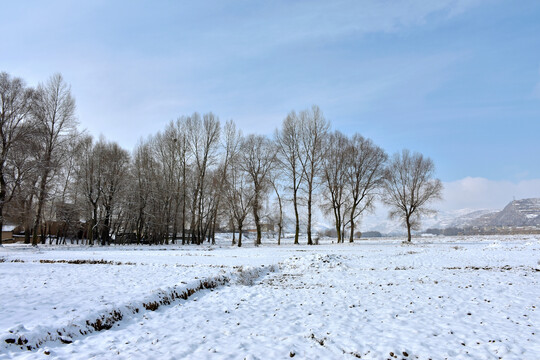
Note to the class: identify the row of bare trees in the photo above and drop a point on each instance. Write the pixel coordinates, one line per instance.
(36, 128)
(191, 179)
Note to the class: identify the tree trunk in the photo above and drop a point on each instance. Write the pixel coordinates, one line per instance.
(297, 229)
(257, 220)
(233, 235)
(214, 224)
(280, 224)
(165, 238)
(309, 240)
(184, 202)
(175, 226)
(139, 227)
(41, 201)
(408, 229)
(183, 233)
(193, 225)
(27, 221)
(27, 231)
(43, 230)
(200, 234)
(1, 222)
(353, 210)
(106, 227)
(239, 235)
(351, 237)
(2, 200)
(337, 218)
(93, 228)
(184, 222)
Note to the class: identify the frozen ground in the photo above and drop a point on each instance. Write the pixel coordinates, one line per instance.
(472, 297)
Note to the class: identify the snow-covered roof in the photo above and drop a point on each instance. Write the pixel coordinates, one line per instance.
(8, 227)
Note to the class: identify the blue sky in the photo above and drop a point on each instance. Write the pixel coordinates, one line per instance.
(458, 80)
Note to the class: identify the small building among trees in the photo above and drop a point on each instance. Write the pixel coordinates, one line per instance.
(7, 233)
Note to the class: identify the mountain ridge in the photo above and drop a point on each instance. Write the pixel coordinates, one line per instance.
(517, 213)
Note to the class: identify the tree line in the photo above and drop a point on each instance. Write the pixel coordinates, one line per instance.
(194, 178)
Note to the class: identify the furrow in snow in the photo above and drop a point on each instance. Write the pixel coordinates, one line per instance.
(105, 319)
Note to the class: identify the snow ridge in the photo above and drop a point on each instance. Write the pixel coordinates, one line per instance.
(105, 319)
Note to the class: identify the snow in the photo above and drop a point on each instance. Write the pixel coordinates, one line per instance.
(459, 297)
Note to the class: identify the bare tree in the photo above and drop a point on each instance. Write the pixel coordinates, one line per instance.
(159, 176)
(231, 146)
(89, 179)
(335, 168)
(287, 140)
(166, 196)
(141, 192)
(240, 195)
(365, 172)
(258, 155)
(15, 101)
(314, 129)
(409, 187)
(67, 205)
(159, 196)
(184, 160)
(54, 114)
(22, 176)
(203, 141)
(115, 165)
(275, 181)
(176, 150)
(176, 137)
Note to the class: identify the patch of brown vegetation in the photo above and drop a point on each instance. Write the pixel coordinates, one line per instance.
(84, 262)
(152, 306)
(105, 322)
(487, 268)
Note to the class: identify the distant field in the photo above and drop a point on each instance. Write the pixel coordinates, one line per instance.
(451, 297)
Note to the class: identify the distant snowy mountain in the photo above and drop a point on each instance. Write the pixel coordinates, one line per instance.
(524, 212)
(439, 220)
(457, 218)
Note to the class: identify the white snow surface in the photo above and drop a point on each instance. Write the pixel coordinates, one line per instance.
(459, 297)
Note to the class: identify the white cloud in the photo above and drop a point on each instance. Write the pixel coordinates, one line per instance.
(301, 21)
(481, 193)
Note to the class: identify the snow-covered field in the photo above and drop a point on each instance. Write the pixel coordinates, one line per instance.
(469, 297)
